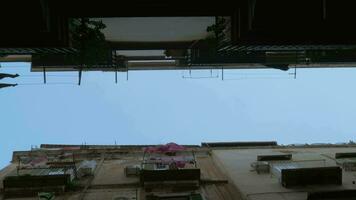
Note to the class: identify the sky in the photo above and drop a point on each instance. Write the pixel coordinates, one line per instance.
(156, 107)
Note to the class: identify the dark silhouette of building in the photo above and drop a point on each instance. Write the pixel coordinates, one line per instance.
(274, 33)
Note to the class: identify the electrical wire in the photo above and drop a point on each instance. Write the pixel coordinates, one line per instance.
(7, 66)
(48, 75)
(199, 77)
(258, 78)
(53, 83)
(30, 84)
(211, 76)
(252, 74)
(262, 75)
(61, 83)
(244, 76)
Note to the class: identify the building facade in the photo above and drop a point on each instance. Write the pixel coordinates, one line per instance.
(212, 171)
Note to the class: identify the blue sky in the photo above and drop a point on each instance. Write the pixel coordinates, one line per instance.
(161, 106)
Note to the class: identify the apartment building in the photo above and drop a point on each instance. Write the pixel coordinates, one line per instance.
(210, 171)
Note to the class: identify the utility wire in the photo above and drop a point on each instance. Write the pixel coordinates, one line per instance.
(199, 77)
(258, 78)
(7, 66)
(191, 76)
(50, 75)
(53, 83)
(262, 73)
(61, 83)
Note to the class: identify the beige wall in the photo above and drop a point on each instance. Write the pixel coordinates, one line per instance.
(236, 164)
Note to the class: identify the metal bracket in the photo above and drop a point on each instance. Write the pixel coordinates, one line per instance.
(44, 75)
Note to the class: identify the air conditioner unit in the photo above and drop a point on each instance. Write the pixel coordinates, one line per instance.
(261, 167)
(347, 164)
